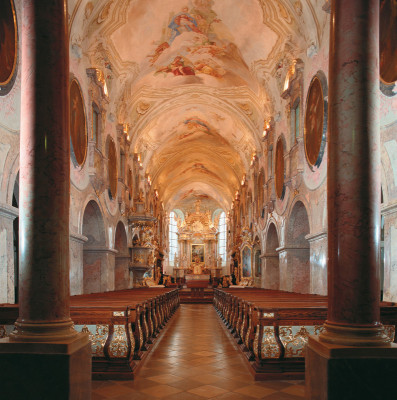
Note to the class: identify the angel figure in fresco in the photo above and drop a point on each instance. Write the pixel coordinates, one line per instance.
(157, 53)
(182, 22)
(209, 67)
(179, 66)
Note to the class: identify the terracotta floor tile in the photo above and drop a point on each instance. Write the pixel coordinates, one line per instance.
(161, 391)
(207, 391)
(186, 384)
(208, 379)
(230, 396)
(296, 390)
(113, 390)
(229, 384)
(183, 396)
(282, 396)
(257, 392)
(276, 385)
(165, 379)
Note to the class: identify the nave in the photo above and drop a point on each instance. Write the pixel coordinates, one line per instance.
(195, 358)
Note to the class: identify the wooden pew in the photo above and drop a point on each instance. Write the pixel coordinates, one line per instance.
(272, 327)
(122, 325)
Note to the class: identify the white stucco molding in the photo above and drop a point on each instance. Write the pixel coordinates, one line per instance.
(290, 248)
(76, 237)
(316, 236)
(8, 211)
(389, 209)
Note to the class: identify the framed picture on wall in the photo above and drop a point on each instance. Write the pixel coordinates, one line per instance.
(246, 259)
(198, 253)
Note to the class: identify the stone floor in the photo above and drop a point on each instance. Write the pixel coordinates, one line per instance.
(196, 359)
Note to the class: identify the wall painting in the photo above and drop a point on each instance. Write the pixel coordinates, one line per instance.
(78, 126)
(8, 44)
(247, 262)
(198, 253)
(315, 123)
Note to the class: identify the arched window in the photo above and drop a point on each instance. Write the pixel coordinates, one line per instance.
(173, 239)
(222, 238)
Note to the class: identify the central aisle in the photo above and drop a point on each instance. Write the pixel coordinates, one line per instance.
(196, 359)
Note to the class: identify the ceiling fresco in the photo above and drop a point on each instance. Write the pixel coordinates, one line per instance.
(194, 80)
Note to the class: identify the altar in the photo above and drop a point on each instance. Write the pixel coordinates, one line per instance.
(197, 280)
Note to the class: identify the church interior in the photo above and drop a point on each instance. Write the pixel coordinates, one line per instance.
(198, 186)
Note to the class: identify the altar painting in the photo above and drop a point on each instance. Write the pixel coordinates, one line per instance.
(246, 261)
(197, 253)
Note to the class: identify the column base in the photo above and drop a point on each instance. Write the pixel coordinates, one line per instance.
(335, 372)
(54, 370)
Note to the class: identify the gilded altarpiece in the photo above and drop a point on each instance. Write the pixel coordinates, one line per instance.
(197, 243)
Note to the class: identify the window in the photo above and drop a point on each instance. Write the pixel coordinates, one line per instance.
(173, 239)
(222, 238)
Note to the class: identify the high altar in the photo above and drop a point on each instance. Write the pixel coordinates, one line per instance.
(197, 247)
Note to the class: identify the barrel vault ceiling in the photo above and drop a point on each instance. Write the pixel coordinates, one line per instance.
(194, 80)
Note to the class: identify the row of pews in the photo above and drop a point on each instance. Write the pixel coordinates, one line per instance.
(271, 327)
(122, 325)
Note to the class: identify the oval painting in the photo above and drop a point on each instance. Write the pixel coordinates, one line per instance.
(314, 122)
(78, 126)
(112, 169)
(388, 41)
(8, 41)
(279, 169)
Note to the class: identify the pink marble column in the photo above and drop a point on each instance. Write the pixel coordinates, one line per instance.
(44, 175)
(354, 176)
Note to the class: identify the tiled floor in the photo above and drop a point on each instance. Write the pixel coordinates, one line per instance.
(196, 359)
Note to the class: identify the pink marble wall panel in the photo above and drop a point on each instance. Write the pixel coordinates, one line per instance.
(76, 266)
(390, 252)
(318, 266)
(92, 277)
(299, 261)
(271, 272)
(285, 272)
(121, 273)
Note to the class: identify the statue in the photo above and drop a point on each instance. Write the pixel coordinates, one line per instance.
(184, 261)
(219, 262)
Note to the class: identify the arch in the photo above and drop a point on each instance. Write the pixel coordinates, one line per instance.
(121, 271)
(271, 273)
(295, 270)
(94, 229)
(298, 225)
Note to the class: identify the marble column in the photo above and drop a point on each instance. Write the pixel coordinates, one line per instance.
(44, 344)
(352, 358)
(44, 175)
(354, 175)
